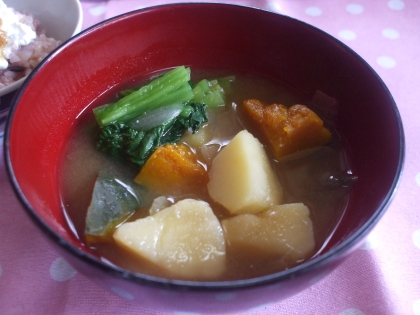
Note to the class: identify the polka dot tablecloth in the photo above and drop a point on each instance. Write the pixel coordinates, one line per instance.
(380, 278)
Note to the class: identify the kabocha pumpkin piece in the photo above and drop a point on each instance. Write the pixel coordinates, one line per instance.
(241, 177)
(283, 231)
(287, 130)
(185, 239)
(173, 169)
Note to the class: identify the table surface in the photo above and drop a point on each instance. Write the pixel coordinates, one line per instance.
(382, 277)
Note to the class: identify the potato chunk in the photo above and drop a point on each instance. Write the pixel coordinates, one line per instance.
(241, 177)
(198, 139)
(287, 130)
(185, 239)
(283, 231)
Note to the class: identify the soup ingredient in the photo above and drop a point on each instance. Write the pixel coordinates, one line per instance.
(158, 204)
(320, 181)
(173, 169)
(22, 44)
(113, 201)
(160, 116)
(171, 88)
(200, 138)
(185, 239)
(122, 141)
(287, 130)
(241, 177)
(209, 92)
(281, 231)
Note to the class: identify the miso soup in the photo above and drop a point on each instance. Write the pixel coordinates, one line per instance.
(320, 177)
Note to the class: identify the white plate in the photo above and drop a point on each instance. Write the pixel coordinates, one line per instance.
(61, 19)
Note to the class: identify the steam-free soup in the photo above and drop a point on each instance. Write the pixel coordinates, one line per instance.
(318, 178)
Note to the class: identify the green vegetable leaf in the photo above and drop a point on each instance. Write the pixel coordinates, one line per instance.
(170, 88)
(196, 117)
(122, 141)
(212, 93)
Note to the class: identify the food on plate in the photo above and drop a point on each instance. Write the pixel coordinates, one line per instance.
(192, 189)
(23, 44)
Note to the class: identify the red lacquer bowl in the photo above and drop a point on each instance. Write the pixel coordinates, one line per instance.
(203, 36)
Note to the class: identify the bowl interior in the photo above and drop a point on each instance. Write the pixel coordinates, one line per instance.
(204, 36)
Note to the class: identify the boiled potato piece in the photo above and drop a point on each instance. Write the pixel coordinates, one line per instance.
(185, 239)
(241, 177)
(282, 231)
(198, 139)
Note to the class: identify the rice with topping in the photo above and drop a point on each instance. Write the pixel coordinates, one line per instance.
(21, 52)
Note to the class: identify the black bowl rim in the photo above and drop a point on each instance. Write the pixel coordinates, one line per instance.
(324, 260)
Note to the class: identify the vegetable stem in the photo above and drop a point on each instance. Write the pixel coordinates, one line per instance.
(170, 88)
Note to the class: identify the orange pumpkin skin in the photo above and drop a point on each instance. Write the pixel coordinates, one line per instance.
(173, 169)
(286, 130)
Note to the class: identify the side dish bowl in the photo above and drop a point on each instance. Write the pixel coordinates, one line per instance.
(207, 36)
(61, 20)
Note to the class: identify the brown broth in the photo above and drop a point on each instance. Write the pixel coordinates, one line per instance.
(304, 180)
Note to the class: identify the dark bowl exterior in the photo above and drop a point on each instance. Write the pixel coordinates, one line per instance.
(203, 36)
